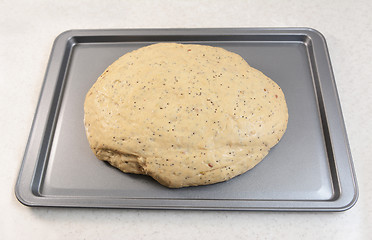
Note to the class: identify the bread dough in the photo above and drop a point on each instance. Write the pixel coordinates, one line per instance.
(186, 115)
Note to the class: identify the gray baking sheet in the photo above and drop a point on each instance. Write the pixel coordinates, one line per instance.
(309, 170)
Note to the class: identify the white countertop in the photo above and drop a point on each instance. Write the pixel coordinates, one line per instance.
(28, 29)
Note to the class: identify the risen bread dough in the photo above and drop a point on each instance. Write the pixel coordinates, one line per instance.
(186, 115)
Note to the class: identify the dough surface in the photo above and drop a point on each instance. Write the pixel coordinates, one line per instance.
(185, 115)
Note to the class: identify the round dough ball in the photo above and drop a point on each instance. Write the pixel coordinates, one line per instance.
(185, 115)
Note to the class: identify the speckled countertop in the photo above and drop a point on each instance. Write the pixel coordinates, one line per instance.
(28, 29)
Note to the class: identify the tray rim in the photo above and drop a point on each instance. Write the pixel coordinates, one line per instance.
(55, 68)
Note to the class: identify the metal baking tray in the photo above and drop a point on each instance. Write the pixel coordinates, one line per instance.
(310, 169)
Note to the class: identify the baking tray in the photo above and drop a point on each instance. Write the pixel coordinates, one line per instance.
(310, 169)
